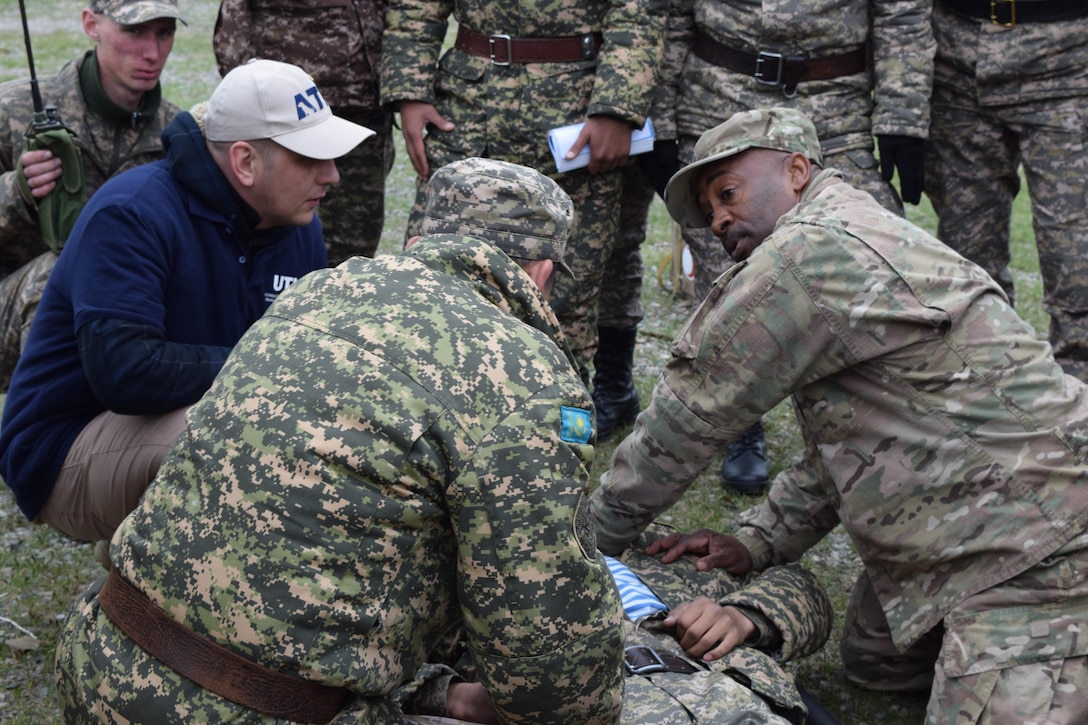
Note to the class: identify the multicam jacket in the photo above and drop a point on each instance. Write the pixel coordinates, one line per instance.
(338, 42)
(108, 146)
(398, 447)
(939, 431)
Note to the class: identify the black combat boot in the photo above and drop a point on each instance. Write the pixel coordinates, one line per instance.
(614, 393)
(744, 468)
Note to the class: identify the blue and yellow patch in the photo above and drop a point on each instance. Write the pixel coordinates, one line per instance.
(577, 425)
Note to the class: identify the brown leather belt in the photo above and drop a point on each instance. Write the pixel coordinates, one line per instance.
(643, 660)
(777, 70)
(212, 666)
(1010, 12)
(503, 50)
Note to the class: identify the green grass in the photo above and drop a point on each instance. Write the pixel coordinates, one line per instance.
(42, 571)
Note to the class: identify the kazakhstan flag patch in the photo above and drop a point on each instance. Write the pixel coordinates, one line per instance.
(577, 427)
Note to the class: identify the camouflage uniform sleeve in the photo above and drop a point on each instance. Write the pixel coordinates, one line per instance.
(678, 39)
(425, 693)
(542, 617)
(799, 510)
(792, 600)
(234, 38)
(903, 49)
(630, 58)
(756, 338)
(411, 45)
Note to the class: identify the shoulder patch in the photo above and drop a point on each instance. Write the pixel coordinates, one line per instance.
(577, 425)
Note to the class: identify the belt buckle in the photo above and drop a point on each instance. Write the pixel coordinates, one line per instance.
(761, 77)
(500, 38)
(1012, 12)
(656, 665)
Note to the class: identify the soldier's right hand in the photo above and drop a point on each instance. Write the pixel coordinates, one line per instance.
(415, 116)
(41, 170)
(718, 551)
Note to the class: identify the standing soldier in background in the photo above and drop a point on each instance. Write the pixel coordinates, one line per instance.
(857, 69)
(620, 308)
(516, 71)
(339, 43)
(111, 99)
(1010, 87)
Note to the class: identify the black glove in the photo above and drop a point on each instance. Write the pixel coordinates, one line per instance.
(907, 154)
(660, 164)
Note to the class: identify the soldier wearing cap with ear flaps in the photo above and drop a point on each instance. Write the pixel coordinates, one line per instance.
(167, 266)
(401, 445)
(939, 431)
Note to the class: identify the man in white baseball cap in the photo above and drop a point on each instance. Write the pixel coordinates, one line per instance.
(279, 101)
(166, 267)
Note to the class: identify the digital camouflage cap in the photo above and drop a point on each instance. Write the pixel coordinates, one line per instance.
(518, 209)
(134, 12)
(778, 129)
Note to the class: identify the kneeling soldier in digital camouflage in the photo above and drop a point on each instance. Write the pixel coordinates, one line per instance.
(399, 447)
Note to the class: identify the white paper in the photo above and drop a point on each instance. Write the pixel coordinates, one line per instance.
(561, 139)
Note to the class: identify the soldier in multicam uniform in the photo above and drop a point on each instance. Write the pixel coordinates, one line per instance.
(1010, 89)
(111, 99)
(939, 432)
(772, 618)
(517, 70)
(857, 68)
(339, 43)
(400, 446)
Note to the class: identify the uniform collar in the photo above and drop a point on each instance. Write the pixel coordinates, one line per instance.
(100, 102)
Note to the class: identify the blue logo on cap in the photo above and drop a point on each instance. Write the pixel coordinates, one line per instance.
(301, 104)
(577, 426)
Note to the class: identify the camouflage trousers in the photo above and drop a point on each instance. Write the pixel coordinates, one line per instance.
(973, 161)
(1015, 652)
(859, 168)
(621, 285)
(353, 211)
(20, 293)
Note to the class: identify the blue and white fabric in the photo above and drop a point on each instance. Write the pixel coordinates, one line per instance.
(638, 599)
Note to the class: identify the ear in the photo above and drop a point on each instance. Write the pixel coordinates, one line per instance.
(90, 24)
(799, 169)
(540, 271)
(245, 163)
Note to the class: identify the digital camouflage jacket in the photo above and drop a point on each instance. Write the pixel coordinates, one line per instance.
(338, 42)
(400, 446)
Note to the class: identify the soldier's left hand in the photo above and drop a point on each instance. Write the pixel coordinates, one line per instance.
(906, 155)
(706, 629)
(609, 142)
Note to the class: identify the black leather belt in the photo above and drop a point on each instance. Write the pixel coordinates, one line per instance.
(643, 660)
(1011, 12)
(776, 69)
(501, 49)
(212, 666)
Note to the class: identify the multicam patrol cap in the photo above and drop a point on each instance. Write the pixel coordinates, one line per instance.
(779, 129)
(521, 211)
(134, 12)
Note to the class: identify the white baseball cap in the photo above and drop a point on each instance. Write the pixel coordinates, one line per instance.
(281, 102)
